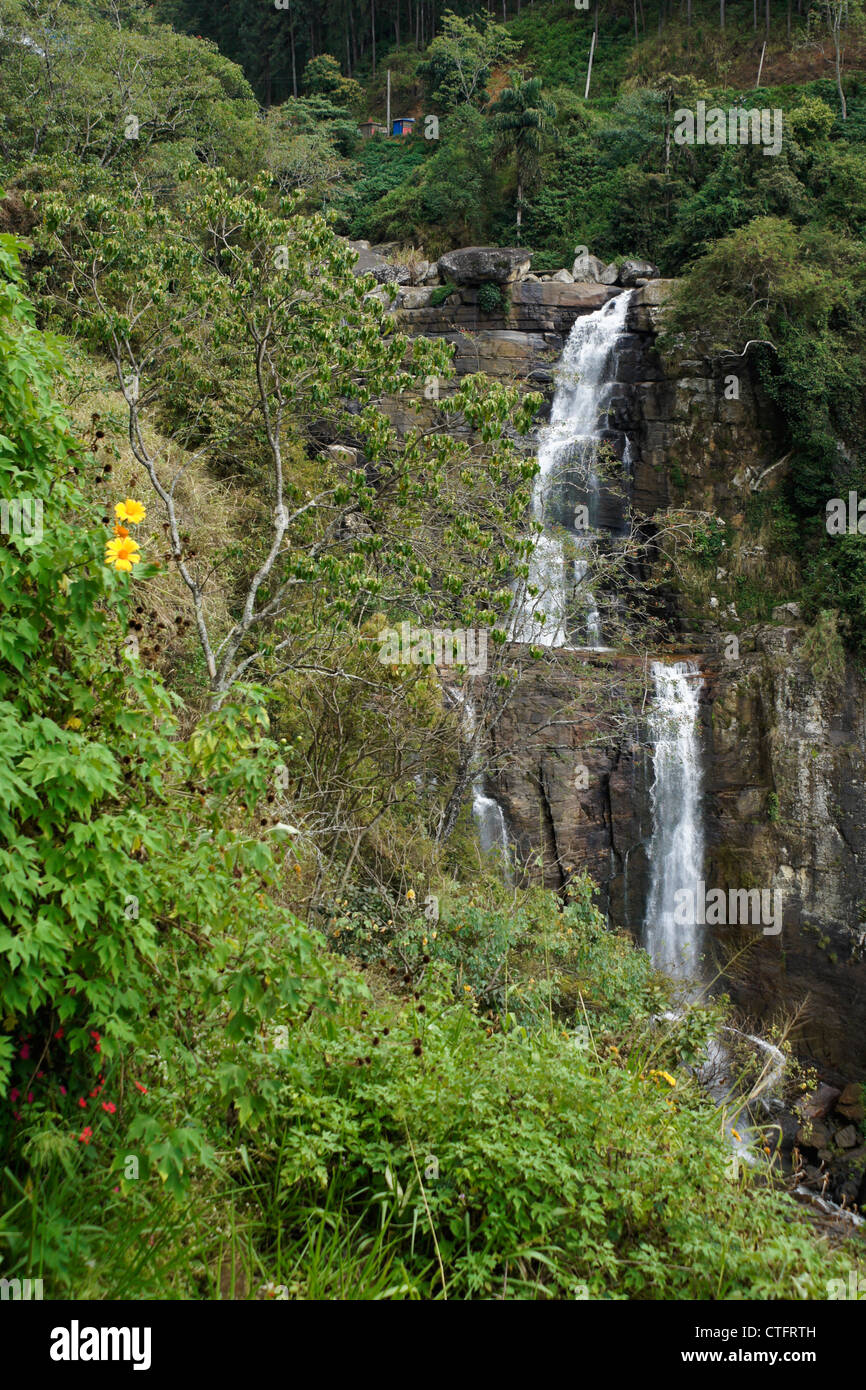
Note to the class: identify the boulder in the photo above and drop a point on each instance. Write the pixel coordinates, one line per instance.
(341, 453)
(591, 268)
(609, 275)
(477, 265)
(630, 272)
(432, 276)
(564, 277)
(847, 1138)
(418, 272)
(415, 298)
(389, 274)
(812, 1134)
(819, 1103)
(850, 1102)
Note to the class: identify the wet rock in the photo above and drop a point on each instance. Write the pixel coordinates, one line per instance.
(563, 277)
(847, 1138)
(819, 1103)
(850, 1103)
(812, 1134)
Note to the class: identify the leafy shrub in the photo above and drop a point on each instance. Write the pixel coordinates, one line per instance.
(441, 293)
(490, 298)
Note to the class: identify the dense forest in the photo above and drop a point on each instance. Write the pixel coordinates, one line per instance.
(279, 1018)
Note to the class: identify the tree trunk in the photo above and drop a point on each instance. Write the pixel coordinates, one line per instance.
(294, 63)
(373, 31)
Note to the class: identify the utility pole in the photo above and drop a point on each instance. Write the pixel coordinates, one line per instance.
(388, 103)
(589, 69)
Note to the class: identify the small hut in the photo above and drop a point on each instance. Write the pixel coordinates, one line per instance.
(403, 125)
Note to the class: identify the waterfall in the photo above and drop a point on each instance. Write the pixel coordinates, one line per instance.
(565, 607)
(673, 938)
(676, 850)
(487, 813)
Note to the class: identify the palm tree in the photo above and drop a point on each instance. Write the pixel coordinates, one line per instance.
(523, 119)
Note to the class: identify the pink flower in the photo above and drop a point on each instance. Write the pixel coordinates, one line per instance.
(82, 1102)
(110, 1106)
(86, 1135)
(63, 1090)
(25, 1052)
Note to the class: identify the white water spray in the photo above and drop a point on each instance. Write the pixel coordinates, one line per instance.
(676, 850)
(585, 383)
(487, 813)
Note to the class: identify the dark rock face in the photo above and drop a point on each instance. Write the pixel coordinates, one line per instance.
(785, 772)
(475, 265)
(571, 780)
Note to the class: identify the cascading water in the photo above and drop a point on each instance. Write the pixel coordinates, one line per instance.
(487, 813)
(673, 938)
(676, 850)
(564, 608)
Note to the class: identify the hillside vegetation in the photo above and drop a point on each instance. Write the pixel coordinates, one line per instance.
(271, 1021)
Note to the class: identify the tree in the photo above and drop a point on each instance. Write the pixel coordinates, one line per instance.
(460, 60)
(523, 121)
(840, 17)
(248, 327)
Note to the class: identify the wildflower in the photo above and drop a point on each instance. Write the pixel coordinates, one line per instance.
(109, 1106)
(141, 1088)
(130, 510)
(82, 1102)
(736, 1134)
(13, 1096)
(410, 896)
(120, 530)
(25, 1052)
(123, 554)
(86, 1135)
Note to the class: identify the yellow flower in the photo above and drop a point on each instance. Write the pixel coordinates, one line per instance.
(130, 510)
(122, 553)
(667, 1076)
(73, 723)
(410, 896)
(736, 1134)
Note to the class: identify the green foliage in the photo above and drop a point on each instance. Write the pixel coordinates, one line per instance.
(461, 58)
(524, 1161)
(133, 97)
(129, 885)
(441, 293)
(323, 77)
(490, 298)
